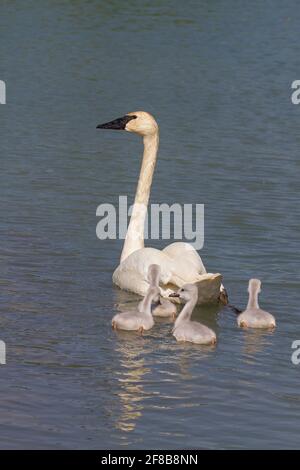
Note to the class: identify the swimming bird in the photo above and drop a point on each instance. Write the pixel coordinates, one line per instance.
(254, 316)
(179, 262)
(185, 329)
(140, 319)
(161, 307)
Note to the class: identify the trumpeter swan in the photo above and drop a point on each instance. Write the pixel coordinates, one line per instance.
(140, 319)
(161, 307)
(179, 262)
(254, 316)
(185, 329)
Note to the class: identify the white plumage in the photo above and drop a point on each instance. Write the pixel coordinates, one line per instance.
(185, 329)
(179, 262)
(254, 316)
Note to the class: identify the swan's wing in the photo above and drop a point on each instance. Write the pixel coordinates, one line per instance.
(186, 261)
(208, 285)
(132, 273)
(130, 280)
(189, 268)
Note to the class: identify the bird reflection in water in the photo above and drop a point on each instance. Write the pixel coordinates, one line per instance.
(131, 348)
(255, 340)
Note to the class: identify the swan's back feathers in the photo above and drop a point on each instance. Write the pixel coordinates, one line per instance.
(187, 262)
(136, 267)
(132, 273)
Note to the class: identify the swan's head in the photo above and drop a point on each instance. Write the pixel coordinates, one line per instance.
(140, 122)
(186, 293)
(254, 286)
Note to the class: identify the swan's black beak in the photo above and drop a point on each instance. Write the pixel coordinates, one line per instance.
(118, 124)
(174, 294)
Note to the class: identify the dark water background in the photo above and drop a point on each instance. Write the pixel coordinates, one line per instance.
(217, 75)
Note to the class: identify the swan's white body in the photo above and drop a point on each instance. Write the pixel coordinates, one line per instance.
(179, 262)
(254, 316)
(140, 319)
(185, 329)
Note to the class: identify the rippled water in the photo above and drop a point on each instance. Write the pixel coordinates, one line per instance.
(217, 76)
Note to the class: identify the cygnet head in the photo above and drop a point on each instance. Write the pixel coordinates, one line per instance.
(140, 122)
(254, 286)
(186, 293)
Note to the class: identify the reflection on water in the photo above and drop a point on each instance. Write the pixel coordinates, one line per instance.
(135, 357)
(135, 354)
(256, 340)
(130, 376)
(138, 357)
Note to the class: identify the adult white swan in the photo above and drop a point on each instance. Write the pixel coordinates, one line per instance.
(179, 262)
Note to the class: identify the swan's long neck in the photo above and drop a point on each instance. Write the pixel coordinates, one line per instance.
(145, 304)
(135, 234)
(186, 312)
(253, 299)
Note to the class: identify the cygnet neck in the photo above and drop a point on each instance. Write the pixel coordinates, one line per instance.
(186, 312)
(145, 305)
(253, 297)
